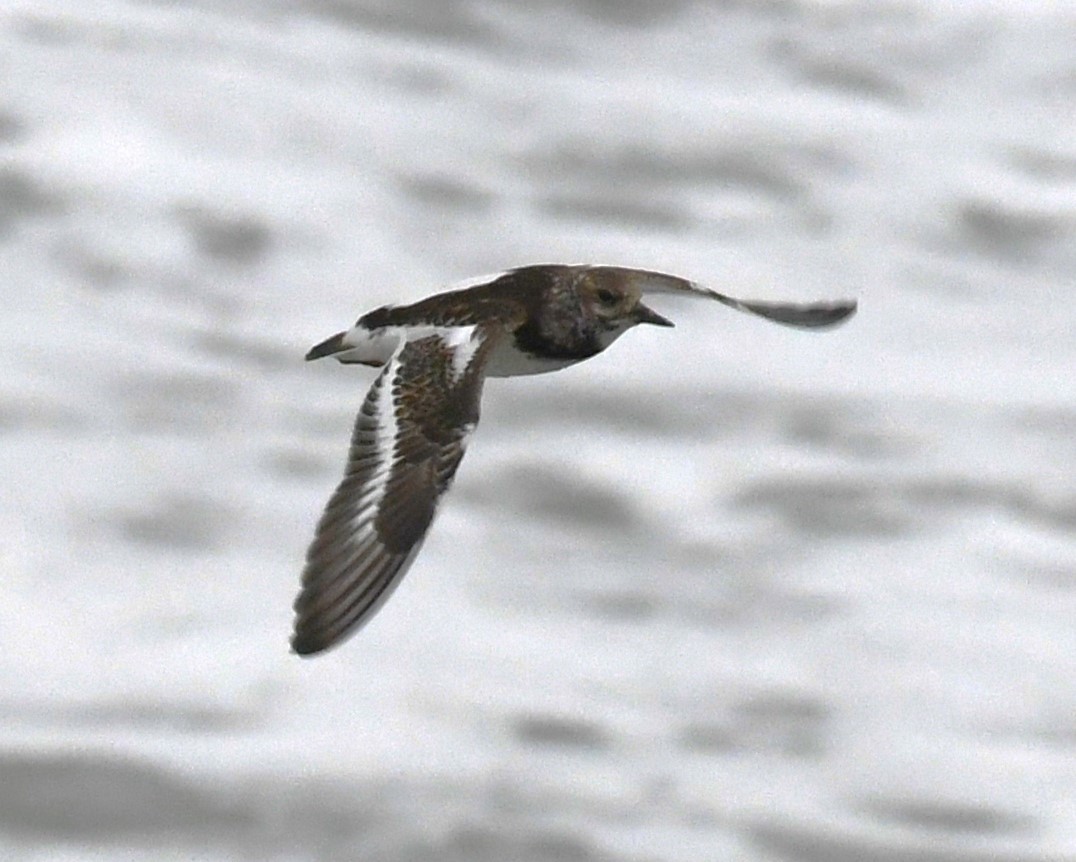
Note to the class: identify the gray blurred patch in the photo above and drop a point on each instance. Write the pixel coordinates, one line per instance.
(52, 31)
(1045, 165)
(169, 717)
(622, 605)
(24, 414)
(961, 493)
(607, 206)
(451, 20)
(1056, 731)
(1045, 576)
(267, 356)
(115, 716)
(179, 400)
(889, 506)
(794, 725)
(770, 169)
(180, 522)
(227, 237)
(446, 193)
(560, 732)
(12, 128)
(473, 844)
(856, 79)
(839, 69)
(99, 799)
(943, 816)
(654, 578)
(23, 197)
(841, 428)
(625, 13)
(424, 80)
(709, 737)
(662, 415)
(777, 605)
(552, 495)
(679, 413)
(812, 842)
(830, 507)
(461, 21)
(997, 229)
(95, 268)
(1059, 423)
(299, 464)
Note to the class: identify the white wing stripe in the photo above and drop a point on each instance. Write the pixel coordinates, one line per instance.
(464, 346)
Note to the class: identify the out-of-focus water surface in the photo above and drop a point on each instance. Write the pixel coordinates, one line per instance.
(728, 591)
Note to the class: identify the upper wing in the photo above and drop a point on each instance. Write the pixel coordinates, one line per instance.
(408, 441)
(815, 315)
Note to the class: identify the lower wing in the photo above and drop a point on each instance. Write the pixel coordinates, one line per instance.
(409, 438)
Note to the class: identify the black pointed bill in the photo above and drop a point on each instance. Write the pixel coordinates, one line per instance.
(643, 314)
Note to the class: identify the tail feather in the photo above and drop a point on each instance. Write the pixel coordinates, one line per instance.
(359, 346)
(328, 347)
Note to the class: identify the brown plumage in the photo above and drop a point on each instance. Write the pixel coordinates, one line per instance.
(413, 427)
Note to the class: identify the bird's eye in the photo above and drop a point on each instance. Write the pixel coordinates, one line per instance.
(606, 296)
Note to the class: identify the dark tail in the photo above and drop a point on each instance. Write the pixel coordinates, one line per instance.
(328, 347)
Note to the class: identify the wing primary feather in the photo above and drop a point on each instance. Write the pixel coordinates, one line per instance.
(331, 597)
(362, 594)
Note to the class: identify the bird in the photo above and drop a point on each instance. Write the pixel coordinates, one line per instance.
(412, 429)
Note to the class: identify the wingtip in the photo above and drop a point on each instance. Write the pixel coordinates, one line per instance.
(835, 313)
(307, 640)
(848, 309)
(814, 315)
(305, 646)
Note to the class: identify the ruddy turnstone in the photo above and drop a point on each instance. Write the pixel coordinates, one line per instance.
(413, 427)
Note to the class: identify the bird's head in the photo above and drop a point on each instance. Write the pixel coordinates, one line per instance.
(613, 298)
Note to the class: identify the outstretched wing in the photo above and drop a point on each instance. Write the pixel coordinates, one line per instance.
(408, 441)
(815, 315)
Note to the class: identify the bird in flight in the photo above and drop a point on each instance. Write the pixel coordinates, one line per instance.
(413, 427)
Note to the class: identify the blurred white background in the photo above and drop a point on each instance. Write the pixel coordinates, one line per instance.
(727, 591)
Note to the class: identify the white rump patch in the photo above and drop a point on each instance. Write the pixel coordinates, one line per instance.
(380, 346)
